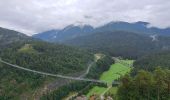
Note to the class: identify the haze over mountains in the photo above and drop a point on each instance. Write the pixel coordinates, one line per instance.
(68, 32)
(73, 31)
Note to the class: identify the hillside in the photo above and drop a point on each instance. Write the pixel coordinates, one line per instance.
(37, 55)
(151, 61)
(121, 43)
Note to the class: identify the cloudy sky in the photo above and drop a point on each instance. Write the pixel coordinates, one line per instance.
(33, 16)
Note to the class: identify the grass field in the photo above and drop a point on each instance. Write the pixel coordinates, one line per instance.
(115, 71)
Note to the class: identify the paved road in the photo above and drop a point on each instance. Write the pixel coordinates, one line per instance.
(88, 69)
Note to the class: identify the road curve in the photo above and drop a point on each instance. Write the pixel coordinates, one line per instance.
(88, 69)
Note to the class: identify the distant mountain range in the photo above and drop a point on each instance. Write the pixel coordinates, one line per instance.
(67, 33)
(73, 31)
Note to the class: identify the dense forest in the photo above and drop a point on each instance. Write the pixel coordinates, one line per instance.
(47, 57)
(121, 43)
(151, 61)
(146, 86)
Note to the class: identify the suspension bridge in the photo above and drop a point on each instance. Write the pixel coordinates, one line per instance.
(55, 75)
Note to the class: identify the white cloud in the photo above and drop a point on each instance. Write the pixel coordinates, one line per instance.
(33, 16)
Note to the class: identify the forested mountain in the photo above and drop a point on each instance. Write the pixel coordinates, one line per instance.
(67, 33)
(151, 61)
(121, 43)
(16, 84)
(73, 31)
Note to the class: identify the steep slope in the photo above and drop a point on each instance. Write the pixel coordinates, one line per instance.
(16, 84)
(121, 43)
(68, 32)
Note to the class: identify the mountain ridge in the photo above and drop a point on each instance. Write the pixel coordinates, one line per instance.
(66, 33)
(73, 31)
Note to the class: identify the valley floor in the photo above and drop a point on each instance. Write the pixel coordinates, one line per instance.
(116, 71)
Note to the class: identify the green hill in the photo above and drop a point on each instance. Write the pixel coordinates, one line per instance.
(24, 51)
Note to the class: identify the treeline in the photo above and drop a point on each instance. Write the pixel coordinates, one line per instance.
(101, 65)
(146, 86)
(151, 61)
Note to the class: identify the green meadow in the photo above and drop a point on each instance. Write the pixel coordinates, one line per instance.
(116, 71)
